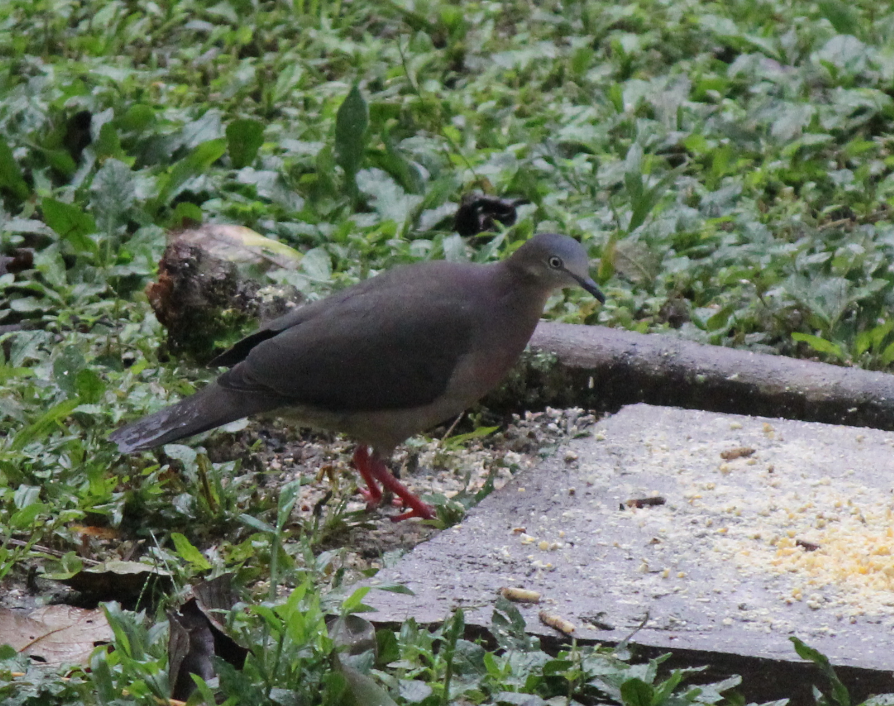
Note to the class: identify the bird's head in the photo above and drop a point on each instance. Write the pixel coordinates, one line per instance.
(556, 261)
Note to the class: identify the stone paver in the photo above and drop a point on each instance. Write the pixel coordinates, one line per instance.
(792, 538)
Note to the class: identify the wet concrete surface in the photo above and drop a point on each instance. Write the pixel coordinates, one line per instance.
(768, 528)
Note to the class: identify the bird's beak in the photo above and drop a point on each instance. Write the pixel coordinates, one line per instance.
(588, 284)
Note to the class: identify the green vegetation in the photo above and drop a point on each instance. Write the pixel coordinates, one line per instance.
(729, 165)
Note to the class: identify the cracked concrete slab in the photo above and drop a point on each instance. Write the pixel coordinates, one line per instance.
(769, 528)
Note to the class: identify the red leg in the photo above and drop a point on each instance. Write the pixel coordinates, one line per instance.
(364, 464)
(381, 473)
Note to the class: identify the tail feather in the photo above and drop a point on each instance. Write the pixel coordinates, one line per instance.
(209, 408)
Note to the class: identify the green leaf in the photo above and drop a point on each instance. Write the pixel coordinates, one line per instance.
(288, 496)
(24, 518)
(387, 646)
(888, 355)
(196, 163)
(386, 196)
(244, 139)
(71, 223)
(66, 367)
(635, 692)
(513, 698)
(188, 552)
(840, 693)
(112, 193)
(509, 627)
(862, 342)
(478, 433)
(27, 305)
(269, 616)
(43, 426)
(363, 689)
(666, 688)
(872, 339)
(557, 666)
(609, 253)
(108, 144)
(11, 174)
(818, 344)
(616, 96)
(207, 693)
(26, 495)
(455, 442)
(187, 456)
(355, 600)
(186, 214)
(581, 60)
(61, 161)
(94, 410)
(138, 117)
(317, 265)
(840, 15)
(397, 165)
(351, 123)
(206, 128)
(414, 692)
(257, 524)
(101, 677)
(643, 199)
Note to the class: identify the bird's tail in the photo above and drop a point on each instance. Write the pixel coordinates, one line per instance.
(209, 408)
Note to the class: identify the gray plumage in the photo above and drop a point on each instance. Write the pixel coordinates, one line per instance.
(386, 358)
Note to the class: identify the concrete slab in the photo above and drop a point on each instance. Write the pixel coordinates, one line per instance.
(792, 538)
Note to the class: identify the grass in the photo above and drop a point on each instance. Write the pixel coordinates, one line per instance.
(729, 166)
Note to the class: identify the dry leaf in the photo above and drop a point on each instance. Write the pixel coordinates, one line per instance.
(56, 634)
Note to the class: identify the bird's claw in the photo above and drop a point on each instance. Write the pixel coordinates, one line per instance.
(424, 512)
(373, 469)
(373, 499)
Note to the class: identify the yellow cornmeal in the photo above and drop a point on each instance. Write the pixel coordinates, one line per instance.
(854, 555)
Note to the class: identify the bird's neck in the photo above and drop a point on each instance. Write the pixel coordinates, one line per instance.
(522, 298)
(502, 328)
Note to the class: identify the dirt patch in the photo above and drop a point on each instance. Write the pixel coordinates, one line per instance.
(427, 465)
(366, 539)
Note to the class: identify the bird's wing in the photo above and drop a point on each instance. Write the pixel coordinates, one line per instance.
(240, 350)
(375, 350)
(397, 277)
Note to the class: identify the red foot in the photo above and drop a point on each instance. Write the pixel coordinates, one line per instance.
(373, 469)
(427, 513)
(362, 463)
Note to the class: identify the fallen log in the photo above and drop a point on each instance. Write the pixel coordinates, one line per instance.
(602, 368)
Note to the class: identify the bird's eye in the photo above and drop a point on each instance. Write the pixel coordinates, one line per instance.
(556, 262)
